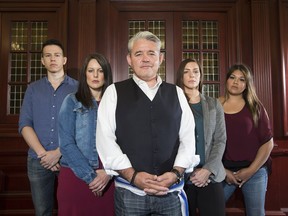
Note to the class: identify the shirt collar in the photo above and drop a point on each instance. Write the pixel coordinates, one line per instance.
(65, 80)
(140, 82)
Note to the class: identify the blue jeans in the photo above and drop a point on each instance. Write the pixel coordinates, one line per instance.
(42, 187)
(254, 192)
(130, 204)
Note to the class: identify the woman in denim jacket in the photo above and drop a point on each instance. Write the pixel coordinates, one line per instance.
(84, 188)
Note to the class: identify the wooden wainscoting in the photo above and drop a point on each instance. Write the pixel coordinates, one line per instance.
(15, 196)
(15, 192)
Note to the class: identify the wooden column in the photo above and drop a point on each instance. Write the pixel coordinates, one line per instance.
(261, 53)
(283, 9)
(87, 29)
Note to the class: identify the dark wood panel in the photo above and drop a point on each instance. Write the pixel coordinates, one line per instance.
(283, 5)
(14, 184)
(15, 195)
(19, 200)
(261, 53)
(13, 165)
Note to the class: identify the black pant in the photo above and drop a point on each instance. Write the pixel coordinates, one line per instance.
(208, 200)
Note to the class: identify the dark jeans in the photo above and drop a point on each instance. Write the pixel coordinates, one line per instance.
(208, 200)
(42, 187)
(130, 204)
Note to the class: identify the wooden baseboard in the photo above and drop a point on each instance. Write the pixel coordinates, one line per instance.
(26, 212)
(241, 212)
(275, 213)
(21, 212)
(229, 212)
(235, 212)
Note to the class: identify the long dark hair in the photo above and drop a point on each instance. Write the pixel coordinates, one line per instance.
(83, 93)
(249, 94)
(180, 72)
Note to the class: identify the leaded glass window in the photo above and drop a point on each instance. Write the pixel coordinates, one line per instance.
(200, 41)
(26, 38)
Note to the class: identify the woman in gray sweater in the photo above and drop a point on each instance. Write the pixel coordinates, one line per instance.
(204, 185)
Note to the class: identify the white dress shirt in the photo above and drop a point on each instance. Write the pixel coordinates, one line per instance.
(110, 152)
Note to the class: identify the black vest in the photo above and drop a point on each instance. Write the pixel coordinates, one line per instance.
(148, 131)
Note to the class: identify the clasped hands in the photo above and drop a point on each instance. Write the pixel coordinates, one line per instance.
(200, 177)
(99, 183)
(238, 178)
(153, 184)
(50, 160)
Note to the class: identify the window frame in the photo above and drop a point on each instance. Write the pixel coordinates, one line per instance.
(5, 61)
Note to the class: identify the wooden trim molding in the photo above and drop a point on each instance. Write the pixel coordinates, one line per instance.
(280, 148)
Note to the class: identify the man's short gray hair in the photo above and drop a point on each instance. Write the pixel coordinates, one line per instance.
(144, 35)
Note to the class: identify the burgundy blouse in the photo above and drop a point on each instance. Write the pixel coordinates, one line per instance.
(243, 138)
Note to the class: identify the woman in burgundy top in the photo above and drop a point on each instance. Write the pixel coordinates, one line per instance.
(249, 140)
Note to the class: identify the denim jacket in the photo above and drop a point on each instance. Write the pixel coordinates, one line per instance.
(77, 138)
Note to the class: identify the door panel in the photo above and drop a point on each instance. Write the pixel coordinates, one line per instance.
(183, 34)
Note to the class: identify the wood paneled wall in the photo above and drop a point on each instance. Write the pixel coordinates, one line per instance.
(257, 35)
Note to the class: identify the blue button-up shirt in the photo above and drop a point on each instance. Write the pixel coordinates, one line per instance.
(40, 110)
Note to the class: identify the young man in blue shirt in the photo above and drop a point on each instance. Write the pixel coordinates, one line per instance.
(38, 125)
